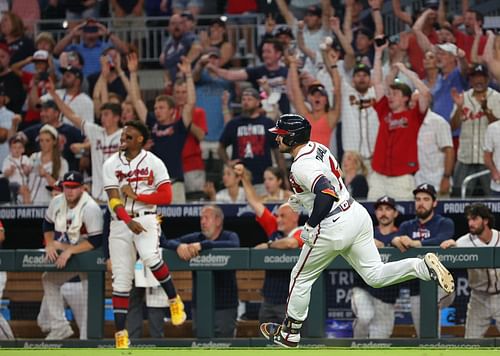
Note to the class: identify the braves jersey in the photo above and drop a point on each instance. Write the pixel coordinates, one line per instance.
(145, 173)
(482, 279)
(312, 162)
(89, 217)
(102, 146)
(432, 233)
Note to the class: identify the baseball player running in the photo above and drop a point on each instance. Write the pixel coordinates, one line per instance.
(136, 181)
(337, 225)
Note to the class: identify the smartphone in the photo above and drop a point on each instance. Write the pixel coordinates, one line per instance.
(380, 41)
(43, 76)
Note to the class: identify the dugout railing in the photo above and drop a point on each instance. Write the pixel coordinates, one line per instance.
(248, 259)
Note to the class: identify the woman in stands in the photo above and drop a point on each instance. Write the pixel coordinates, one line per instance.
(48, 167)
(217, 37)
(274, 183)
(233, 191)
(317, 111)
(355, 173)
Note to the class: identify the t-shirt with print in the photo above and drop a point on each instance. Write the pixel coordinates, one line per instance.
(251, 142)
(396, 147)
(168, 142)
(276, 80)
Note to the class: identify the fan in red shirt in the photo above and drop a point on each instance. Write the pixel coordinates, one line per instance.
(395, 157)
(192, 162)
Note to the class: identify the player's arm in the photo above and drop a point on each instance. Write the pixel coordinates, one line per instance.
(65, 109)
(323, 201)
(117, 206)
(162, 195)
(445, 232)
(71, 250)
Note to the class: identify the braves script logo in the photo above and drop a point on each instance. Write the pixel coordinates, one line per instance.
(393, 124)
(136, 175)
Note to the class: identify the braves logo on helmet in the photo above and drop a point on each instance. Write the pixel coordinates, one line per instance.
(294, 129)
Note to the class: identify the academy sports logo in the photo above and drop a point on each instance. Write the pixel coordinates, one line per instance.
(36, 261)
(209, 261)
(284, 258)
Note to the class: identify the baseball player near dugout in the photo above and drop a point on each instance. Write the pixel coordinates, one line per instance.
(337, 225)
(136, 181)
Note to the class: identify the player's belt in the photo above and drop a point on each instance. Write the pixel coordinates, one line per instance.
(142, 213)
(346, 204)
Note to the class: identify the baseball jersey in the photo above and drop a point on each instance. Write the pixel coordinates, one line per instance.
(434, 135)
(145, 173)
(89, 217)
(482, 279)
(396, 147)
(102, 146)
(474, 124)
(492, 144)
(432, 233)
(312, 162)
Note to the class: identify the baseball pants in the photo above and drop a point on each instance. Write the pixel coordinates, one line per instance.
(374, 318)
(481, 309)
(5, 330)
(56, 292)
(444, 300)
(124, 246)
(349, 234)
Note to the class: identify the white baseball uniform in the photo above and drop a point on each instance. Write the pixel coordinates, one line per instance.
(71, 226)
(102, 146)
(484, 283)
(346, 231)
(145, 173)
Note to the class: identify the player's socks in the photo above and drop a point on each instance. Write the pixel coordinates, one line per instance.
(290, 331)
(121, 339)
(120, 309)
(162, 274)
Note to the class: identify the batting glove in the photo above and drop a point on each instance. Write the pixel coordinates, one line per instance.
(294, 203)
(308, 234)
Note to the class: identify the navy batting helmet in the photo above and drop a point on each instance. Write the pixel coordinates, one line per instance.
(294, 129)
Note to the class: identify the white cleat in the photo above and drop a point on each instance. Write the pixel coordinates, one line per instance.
(439, 273)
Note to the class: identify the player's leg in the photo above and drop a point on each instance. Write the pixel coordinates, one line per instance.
(478, 316)
(147, 245)
(383, 321)
(415, 312)
(312, 261)
(76, 295)
(123, 257)
(59, 326)
(364, 309)
(364, 257)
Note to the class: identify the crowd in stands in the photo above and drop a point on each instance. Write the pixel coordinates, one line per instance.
(63, 102)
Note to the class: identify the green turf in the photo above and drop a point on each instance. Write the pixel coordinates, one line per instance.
(254, 352)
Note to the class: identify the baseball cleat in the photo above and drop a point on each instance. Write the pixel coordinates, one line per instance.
(121, 339)
(272, 332)
(60, 334)
(177, 314)
(439, 273)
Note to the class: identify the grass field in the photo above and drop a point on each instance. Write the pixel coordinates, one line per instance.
(333, 351)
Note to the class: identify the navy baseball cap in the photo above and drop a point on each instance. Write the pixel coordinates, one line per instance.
(361, 67)
(385, 200)
(76, 71)
(72, 179)
(426, 188)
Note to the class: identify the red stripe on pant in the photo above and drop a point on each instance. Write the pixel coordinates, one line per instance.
(120, 302)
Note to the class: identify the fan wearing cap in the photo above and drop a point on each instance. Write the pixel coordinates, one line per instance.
(217, 38)
(70, 92)
(426, 229)
(484, 283)
(316, 21)
(395, 158)
(34, 81)
(252, 144)
(91, 45)
(12, 84)
(473, 111)
(73, 224)
(374, 308)
(48, 167)
(321, 116)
